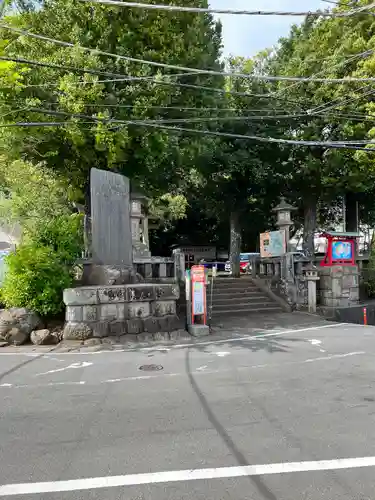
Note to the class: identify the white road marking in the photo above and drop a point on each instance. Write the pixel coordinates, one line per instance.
(315, 342)
(334, 356)
(73, 366)
(222, 354)
(201, 368)
(37, 386)
(198, 371)
(260, 335)
(322, 350)
(93, 483)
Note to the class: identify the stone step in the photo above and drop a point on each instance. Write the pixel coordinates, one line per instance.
(242, 300)
(245, 311)
(232, 288)
(244, 305)
(226, 282)
(251, 292)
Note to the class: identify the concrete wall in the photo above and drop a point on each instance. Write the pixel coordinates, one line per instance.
(123, 309)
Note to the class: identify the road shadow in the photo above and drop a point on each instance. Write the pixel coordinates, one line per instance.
(267, 344)
(19, 366)
(256, 481)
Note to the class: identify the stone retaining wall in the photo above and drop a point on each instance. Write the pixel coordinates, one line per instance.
(123, 309)
(339, 286)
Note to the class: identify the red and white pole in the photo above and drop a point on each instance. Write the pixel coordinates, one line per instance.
(364, 316)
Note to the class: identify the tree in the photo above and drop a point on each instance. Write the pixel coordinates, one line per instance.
(327, 48)
(156, 158)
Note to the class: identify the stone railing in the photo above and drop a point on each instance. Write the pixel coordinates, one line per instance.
(151, 268)
(285, 276)
(161, 268)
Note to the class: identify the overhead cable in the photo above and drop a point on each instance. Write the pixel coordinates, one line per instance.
(207, 132)
(177, 8)
(355, 145)
(341, 63)
(124, 78)
(202, 119)
(340, 101)
(184, 68)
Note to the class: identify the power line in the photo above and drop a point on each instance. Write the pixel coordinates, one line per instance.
(341, 63)
(41, 124)
(146, 107)
(140, 78)
(326, 144)
(203, 119)
(207, 132)
(184, 68)
(331, 104)
(176, 8)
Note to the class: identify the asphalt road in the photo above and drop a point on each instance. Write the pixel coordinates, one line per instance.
(289, 415)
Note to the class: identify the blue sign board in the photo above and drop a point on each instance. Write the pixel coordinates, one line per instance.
(342, 250)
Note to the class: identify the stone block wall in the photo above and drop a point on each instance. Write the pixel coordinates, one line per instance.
(339, 286)
(123, 309)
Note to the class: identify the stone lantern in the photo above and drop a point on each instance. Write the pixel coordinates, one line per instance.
(139, 225)
(311, 276)
(284, 220)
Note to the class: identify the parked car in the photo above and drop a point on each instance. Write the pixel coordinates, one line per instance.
(209, 265)
(245, 264)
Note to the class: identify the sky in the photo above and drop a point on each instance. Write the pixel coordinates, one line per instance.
(247, 35)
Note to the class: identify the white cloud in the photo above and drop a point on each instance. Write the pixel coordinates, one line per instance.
(247, 35)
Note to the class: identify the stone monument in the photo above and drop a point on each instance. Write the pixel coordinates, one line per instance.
(113, 301)
(110, 219)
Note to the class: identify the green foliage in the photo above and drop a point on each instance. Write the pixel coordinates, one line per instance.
(155, 157)
(168, 207)
(42, 266)
(34, 194)
(35, 279)
(63, 235)
(52, 238)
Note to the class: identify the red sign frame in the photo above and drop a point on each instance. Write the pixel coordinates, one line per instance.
(198, 293)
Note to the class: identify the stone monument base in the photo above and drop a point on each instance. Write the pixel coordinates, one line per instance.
(101, 275)
(117, 310)
(339, 286)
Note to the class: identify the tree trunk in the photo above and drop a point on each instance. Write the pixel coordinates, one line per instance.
(351, 213)
(309, 226)
(235, 243)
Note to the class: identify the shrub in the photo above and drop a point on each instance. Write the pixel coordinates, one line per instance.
(64, 234)
(36, 278)
(43, 266)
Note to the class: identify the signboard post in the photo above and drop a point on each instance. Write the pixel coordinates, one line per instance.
(198, 294)
(272, 244)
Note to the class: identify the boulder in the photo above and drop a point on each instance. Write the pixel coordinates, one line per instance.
(43, 337)
(77, 331)
(16, 325)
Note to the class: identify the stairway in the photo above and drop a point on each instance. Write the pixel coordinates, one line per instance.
(240, 296)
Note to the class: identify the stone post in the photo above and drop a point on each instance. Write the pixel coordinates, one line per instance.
(311, 276)
(179, 266)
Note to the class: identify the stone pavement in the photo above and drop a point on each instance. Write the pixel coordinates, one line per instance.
(283, 415)
(224, 329)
